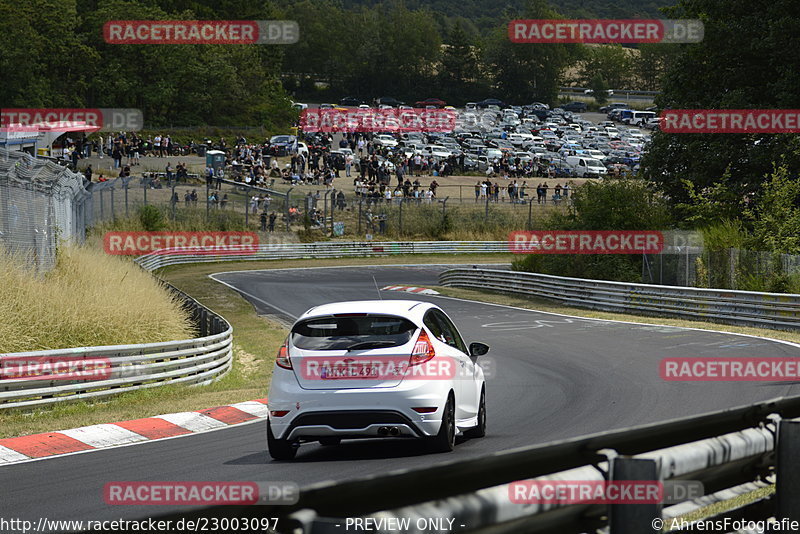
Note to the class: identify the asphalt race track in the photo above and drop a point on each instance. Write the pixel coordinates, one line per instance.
(554, 377)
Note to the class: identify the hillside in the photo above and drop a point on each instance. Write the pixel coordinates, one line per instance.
(485, 14)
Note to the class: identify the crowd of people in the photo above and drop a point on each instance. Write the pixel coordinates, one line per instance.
(515, 192)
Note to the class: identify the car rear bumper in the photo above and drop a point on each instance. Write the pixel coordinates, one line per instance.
(352, 424)
(357, 412)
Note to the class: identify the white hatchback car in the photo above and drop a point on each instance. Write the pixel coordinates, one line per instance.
(375, 369)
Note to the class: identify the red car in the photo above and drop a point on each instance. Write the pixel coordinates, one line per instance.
(431, 102)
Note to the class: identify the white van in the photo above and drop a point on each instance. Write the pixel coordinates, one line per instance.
(640, 118)
(471, 106)
(586, 167)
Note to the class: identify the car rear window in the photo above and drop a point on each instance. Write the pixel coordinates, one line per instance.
(343, 332)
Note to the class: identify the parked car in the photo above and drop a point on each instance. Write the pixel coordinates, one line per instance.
(385, 140)
(652, 124)
(437, 102)
(350, 101)
(613, 105)
(280, 145)
(388, 101)
(586, 167)
(491, 102)
(579, 107)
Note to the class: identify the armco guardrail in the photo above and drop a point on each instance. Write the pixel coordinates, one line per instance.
(744, 308)
(125, 367)
(330, 249)
(730, 452)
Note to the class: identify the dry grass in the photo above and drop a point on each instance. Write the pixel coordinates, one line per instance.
(89, 299)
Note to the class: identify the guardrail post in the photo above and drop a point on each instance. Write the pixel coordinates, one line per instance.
(787, 482)
(628, 518)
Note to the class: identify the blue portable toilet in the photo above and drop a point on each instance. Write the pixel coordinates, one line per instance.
(215, 159)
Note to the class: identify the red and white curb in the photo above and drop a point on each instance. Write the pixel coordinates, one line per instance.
(86, 438)
(411, 289)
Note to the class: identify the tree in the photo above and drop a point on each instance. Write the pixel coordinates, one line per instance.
(618, 204)
(599, 89)
(527, 72)
(776, 218)
(652, 63)
(610, 62)
(749, 59)
(459, 69)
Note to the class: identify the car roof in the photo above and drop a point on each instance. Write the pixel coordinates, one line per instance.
(411, 309)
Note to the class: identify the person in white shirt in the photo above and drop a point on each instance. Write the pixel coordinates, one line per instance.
(348, 162)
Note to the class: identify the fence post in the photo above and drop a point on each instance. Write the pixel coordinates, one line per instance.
(247, 207)
(400, 229)
(126, 199)
(102, 211)
(627, 518)
(360, 202)
(787, 482)
(530, 214)
(144, 186)
(208, 202)
(286, 208)
(333, 208)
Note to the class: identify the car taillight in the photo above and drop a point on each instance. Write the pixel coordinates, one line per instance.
(282, 359)
(423, 349)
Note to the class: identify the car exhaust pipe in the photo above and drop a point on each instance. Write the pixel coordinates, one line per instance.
(394, 431)
(383, 431)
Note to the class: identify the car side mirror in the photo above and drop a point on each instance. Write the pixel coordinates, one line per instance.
(478, 349)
